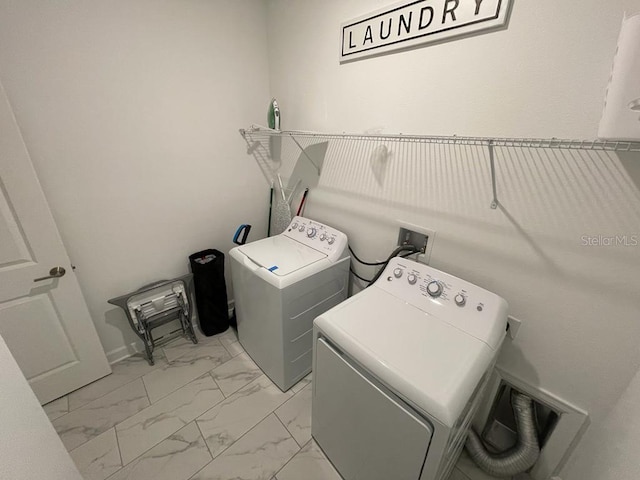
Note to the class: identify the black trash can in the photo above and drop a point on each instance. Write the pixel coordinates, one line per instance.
(211, 291)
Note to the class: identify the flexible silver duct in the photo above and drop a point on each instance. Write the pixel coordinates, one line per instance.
(517, 459)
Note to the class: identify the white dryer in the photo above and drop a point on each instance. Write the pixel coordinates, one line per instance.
(398, 372)
(280, 285)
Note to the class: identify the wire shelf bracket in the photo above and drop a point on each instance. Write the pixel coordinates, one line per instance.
(492, 163)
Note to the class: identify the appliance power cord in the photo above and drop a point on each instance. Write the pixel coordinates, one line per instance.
(411, 249)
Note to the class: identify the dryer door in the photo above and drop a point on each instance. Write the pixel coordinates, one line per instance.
(366, 433)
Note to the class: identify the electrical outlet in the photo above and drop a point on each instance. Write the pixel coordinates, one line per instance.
(420, 237)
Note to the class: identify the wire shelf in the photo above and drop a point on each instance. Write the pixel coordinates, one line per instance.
(275, 157)
(256, 133)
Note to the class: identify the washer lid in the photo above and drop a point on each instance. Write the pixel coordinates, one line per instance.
(281, 255)
(429, 363)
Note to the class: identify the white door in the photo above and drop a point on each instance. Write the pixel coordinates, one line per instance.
(45, 323)
(31, 447)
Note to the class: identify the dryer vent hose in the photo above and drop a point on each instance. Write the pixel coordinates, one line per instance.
(517, 459)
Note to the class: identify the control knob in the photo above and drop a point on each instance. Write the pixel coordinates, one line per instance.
(460, 300)
(322, 237)
(412, 279)
(397, 272)
(295, 225)
(331, 240)
(311, 232)
(301, 229)
(434, 289)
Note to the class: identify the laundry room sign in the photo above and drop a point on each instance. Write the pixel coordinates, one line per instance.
(420, 22)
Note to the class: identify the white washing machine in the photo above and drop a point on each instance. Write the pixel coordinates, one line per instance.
(280, 285)
(398, 372)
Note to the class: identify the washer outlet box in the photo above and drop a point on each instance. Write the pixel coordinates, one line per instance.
(422, 238)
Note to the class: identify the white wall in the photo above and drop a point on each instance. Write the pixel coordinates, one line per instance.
(130, 111)
(612, 451)
(544, 76)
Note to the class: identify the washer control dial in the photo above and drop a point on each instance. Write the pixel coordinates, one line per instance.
(322, 237)
(295, 225)
(434, 288)
(397, 272)
(331, 240)
(301, 229)
(460, 300)
(311, 232)
(412, 279)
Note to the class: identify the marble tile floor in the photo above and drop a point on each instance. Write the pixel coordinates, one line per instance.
(202, 412)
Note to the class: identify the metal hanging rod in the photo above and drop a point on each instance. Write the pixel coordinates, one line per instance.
(255, 132)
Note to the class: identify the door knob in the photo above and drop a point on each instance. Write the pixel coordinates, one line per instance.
(55, 272)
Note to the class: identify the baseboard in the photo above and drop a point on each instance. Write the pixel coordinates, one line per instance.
(125, 351)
